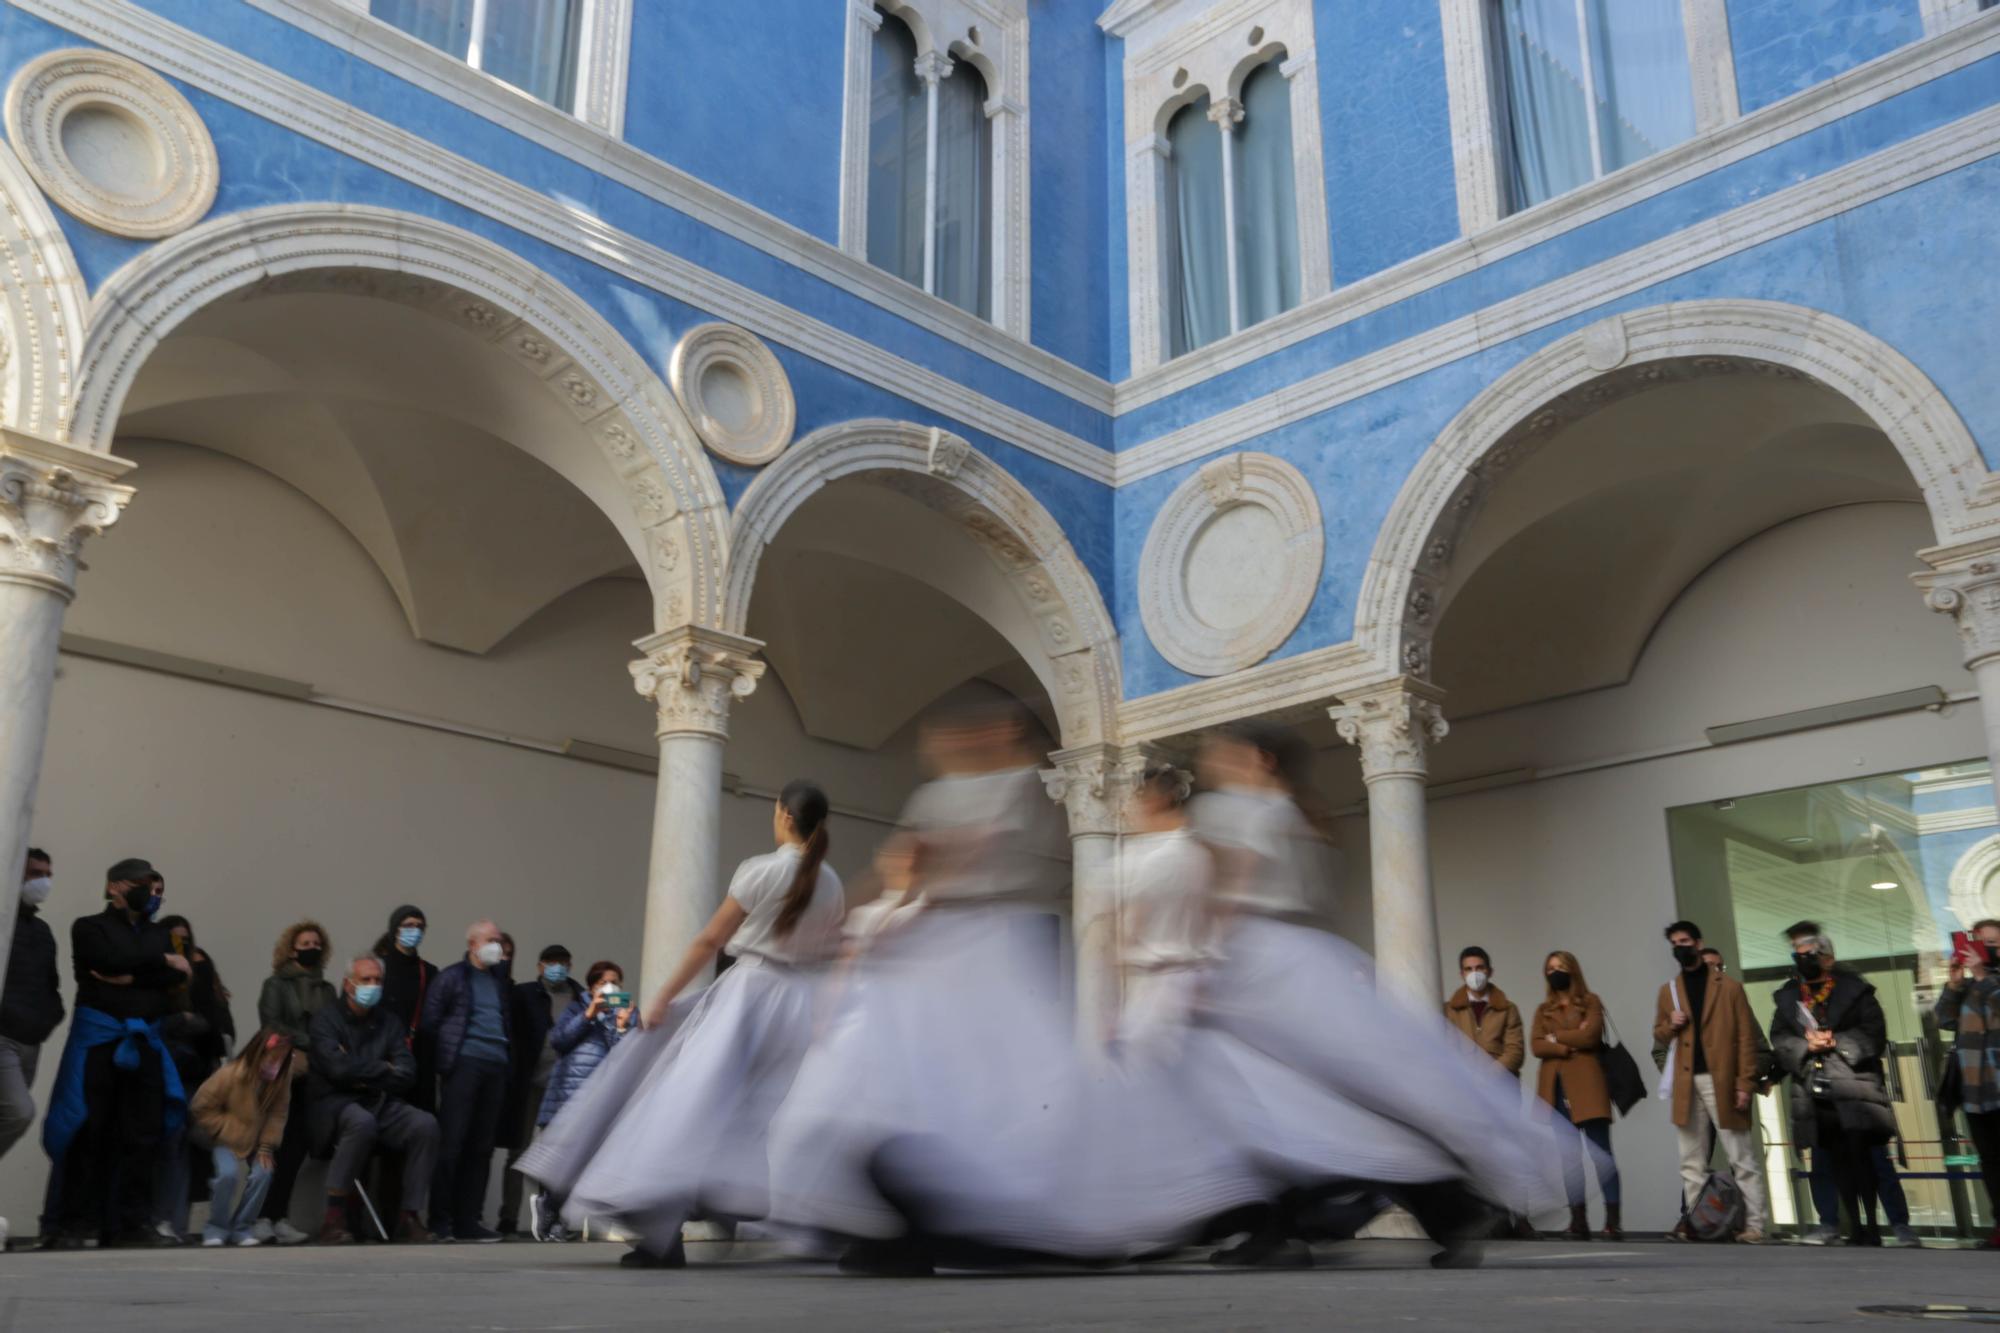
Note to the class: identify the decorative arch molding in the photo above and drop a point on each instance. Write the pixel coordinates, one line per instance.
(1398, 608)
(675, 502)
(42, 301)
(1975, 883)
(1078, 647)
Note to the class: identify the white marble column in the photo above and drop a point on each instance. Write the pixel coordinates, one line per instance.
(692, 675)
(1966, 586)
(932, 66)
(1393, 724)
(51, 498)
(1227, 113)
(1092, 783)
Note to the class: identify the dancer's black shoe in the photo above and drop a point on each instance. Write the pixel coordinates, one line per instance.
(1267, 1250)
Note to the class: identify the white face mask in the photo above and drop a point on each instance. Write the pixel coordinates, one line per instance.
(35, 892)
(1477, 980)
(490, 953)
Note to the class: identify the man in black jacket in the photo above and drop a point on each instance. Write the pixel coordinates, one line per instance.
(361, 1075)
(32, 1004)
(115, 1090)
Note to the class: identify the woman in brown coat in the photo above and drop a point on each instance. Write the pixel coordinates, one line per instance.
(239, 1115)
(1567, 1036)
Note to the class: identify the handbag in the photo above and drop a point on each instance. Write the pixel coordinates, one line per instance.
(1951, 1084)
(1622, 1079)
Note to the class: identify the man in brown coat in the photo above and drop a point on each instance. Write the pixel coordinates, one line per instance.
(1704, 1018)
(1482, 1011)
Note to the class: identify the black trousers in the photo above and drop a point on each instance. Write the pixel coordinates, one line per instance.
(469, 1105)
(1986, 1139)
(1849, 1159)
(107, 1184)
(293, 1149)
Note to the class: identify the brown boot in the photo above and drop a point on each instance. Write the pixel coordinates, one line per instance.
(1579, 1223)
(410, 1230)
(1612, 1228)
(333, 1228)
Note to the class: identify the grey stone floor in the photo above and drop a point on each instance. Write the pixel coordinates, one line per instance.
(1362, 1285)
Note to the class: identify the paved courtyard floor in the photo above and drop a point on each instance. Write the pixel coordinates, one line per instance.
(1362, 1285)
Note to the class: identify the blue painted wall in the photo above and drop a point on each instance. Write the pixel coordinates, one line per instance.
(746, 96)
(1070, 197)
(1786, 46)
(1386, 126)
(1117, 266)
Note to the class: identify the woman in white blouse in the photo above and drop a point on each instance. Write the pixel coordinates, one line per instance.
(1165, 915)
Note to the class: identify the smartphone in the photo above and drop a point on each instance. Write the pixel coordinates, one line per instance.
(617, 1000)
(1963, 949)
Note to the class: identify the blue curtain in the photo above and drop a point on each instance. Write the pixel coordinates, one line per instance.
(1267, 210)
(1197, 252)
(532, 45)
(1645, 94)
(964, 202)
(445, 24)
(1548, 120)
(896, 127)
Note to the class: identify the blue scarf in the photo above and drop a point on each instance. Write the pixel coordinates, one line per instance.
(89, 1029)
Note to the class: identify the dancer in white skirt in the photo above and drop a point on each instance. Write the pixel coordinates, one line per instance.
(675, 1129)
(1166, 917)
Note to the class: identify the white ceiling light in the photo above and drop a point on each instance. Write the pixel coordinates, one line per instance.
(1799, 840)
(1885, 884)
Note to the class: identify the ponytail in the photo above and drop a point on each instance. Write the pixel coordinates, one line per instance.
(806, 804)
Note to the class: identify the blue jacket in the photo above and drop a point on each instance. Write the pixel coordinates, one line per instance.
(580, 1044)
(90, 1028)
(448, 1010)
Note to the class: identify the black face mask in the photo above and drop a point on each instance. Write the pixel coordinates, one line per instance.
(309, 958)
(1686, 955)
(1809, 965)
(136, 896)
(1559, 981)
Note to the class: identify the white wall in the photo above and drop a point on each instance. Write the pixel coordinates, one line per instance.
(1816, 611)
(260, 809)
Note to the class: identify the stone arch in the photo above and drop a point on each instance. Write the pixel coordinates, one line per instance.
(1077, 655)
(42, 299)
(676, 508)
(1975, 883)
(1397, 610)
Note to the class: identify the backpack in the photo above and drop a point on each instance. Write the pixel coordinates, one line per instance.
(1716, 1213)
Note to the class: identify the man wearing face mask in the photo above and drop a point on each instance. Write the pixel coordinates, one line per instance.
(470, 1011)
(537, 1005)
(1970, 1006)
(117, 1095)
(407, 978)
(1482, 1011)
(1712, 1037)
(32, 1005)
(1829, 1033)
(361, 1070)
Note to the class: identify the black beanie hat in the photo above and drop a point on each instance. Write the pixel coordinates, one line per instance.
(396, 918)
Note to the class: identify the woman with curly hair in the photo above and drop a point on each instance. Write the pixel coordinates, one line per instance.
(295, 989)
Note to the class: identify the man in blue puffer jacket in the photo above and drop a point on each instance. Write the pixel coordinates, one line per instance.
(469, 1012)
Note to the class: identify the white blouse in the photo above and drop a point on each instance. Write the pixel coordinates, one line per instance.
(999, 838)
(1164, 885)
(1293, 870)
(759, 888)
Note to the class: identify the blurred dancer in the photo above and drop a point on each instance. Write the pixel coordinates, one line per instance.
(681, 1133)
(1328, 1086)
(1165, 918)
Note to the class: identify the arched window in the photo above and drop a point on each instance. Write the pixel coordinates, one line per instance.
(930, 170)
(1232, 235)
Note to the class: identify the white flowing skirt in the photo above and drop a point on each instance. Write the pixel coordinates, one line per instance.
(673, 1125)
(949, 1078)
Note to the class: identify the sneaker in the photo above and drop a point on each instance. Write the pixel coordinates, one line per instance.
(540, 1215)
(1903, 1236)
(245, 1242)
(167, 1232)
(476, 1235)
(211, 1242)
(1820, 1236)
(1749, 1237)
(263, 1231)
(284, 1233)
(61, 1240)
(559, 1234)
(141, 1238)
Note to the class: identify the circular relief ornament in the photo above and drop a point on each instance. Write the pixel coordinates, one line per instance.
(112, 142)
(735, 391)
(1231, 564)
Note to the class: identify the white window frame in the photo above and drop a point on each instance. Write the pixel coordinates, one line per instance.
(603, 53)
(1478, 102)
(1944, 15)
(944, 31)
(1176, 51)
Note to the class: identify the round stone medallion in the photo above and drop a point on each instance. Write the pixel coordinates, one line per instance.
(735, 392)
(112, 142)
(1231, 564)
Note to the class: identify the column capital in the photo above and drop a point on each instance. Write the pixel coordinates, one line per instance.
(1394, 724)
(1226, 112)
(1092, 782)
(1964, 583)
(52, 496)
(933, 65)
(692, 674)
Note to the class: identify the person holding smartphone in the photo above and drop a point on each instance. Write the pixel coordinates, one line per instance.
(1970, 1006)
(582, 1036)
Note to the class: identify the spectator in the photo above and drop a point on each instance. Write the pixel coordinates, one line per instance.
(360, 1070)
(117, 1095)
(406, 981)
(30, 1007)
(239, 1117)
(1829, 1034)
(1705, 1018)
(470, 1012)
(1482, 1011)
(537, 1004)
(1970, 1006)
(296, 990)
(582, 1037)
(189, 1032)
(1568, 1034)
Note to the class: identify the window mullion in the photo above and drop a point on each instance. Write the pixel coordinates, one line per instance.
(1227, 115)
(476, 42)
(1589, 89)
(931, 67)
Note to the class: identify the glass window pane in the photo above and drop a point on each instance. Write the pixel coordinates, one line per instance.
(964, 202)
(532, 45)
(1645, 97)
(1547, 118)
(896, 125)
(1267, 210)
(1196, 248)
(445, 24)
